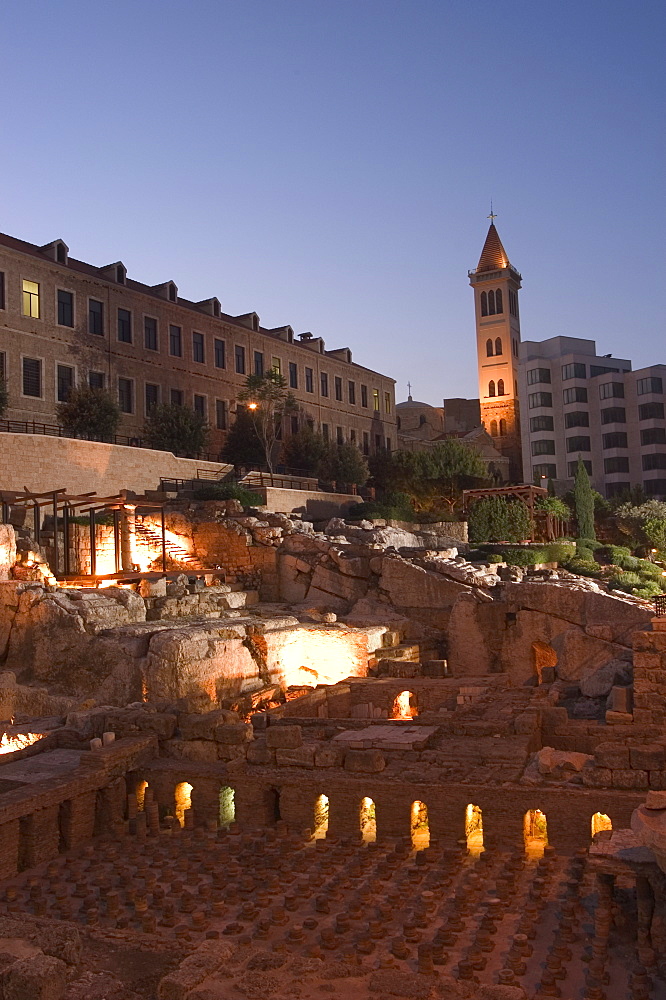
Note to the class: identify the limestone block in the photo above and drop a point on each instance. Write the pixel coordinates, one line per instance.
(648, 757)
(412, 586)
(554, 763)
(630, 779)
(613, 755)
(621, 699)
(234, 735)
(203, 726)
(355, 566)
(39, 977)
(526, 723)
(596, 777)
(298, 757)
(284, 737)
(225, 752)
(600, 682)
(330, 581)
(258, 753)
(622, 718)
(153, 588)
(658, 780)
(365, 761)
(329, 755)
(553, 718)
(7, 550)
(128, 721)
(194, 750)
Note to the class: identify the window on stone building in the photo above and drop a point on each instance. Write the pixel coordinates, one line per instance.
(484, 306)
(378, 443)
(620, 463)
(125, 326)
(602, 370)
(276, 365)
(2, 289)
(388, 444)
(152, 396)
(502, 427)
(96, 317)
(293, 375)
(574, 370)
(536, 399)
(500, 387)
(30, 299)
(32, 377)
(96, 380)
(198, 348)
(126, 395)
(352, 436)
(200, 406)
(65, 308)
(491, 388)
(616, 489)
(150, 333)
(651, 411)
(576, 394)
(617, 439)
(578, 443)
(324, 431)
(338, 388)
(176, 396)
(324, 383)
(655, 487)
(220, 359)
(364, 395)
(375, 400)
(614, 415)
(387, 402)
(572, 466)
(657, 461)
(542, 423)
(258, 363)
(498, 345)
(577, 418)
(351, 392)
(493, 428)
(366, 443)
(545, 446)
(491, 303)
(645, 385)
(220, 414)
(309, 380)
(339, 436)
(545, 471)
(499, 305)
(64, 382)
(536, 375)
(610, 389)
(239, 355)
(175, 341)
(294, 424)
(489, 348)
(3, 366)
(653, 435)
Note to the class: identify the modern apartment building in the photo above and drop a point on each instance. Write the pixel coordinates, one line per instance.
(64, 322)
(576, 403)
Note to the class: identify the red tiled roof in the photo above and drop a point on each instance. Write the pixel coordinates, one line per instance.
(493, 256)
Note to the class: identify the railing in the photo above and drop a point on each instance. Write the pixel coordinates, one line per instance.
(660, 606)
(54, 430)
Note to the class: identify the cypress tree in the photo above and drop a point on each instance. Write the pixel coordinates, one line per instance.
(584, 502)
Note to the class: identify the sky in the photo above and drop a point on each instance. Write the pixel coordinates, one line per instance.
(330, 163)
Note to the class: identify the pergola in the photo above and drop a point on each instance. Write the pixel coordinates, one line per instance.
(65, 505)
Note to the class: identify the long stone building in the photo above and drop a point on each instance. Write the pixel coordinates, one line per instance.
(64, 322)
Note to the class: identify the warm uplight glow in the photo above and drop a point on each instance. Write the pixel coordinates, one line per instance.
(420, 826)
(535, 832)
(368, 820)
(474, 829)
(403, 707)
(227, 806)
(600, 821)
(141, 795)
(321, 817)
(322, 656)
(183, 799)
(9, 744)
(251, 406)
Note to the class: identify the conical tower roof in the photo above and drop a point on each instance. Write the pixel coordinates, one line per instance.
(493, 256)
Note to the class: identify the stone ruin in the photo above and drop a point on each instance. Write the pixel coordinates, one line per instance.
(347, 762)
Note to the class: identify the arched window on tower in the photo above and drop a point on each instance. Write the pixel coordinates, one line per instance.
(498, 345)
(491, 388)
(499, 307)
(484, 304)
(491, 303)
(489, 348)
(493, 428)
(500, 387)
(502, 427)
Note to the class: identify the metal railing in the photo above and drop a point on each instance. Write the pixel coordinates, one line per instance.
(660, 606)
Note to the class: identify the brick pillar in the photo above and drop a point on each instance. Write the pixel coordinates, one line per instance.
(39, 837)
(9, 849)
(343, 813)
(77, 820)
(205, 800)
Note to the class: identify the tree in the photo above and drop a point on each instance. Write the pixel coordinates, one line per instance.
(242, 446)
(344, 463)
(553, 505)
(584, 502)
(498, 519)
(4, 397)
(431, 478)
(177, 429)
(268, 400)
(305, 450)
(89, 413)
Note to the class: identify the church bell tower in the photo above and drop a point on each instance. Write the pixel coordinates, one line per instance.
(496, 283)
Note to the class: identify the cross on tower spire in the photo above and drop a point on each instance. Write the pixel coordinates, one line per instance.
(492, 215)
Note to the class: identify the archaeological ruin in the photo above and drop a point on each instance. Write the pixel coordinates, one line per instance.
(245, 755)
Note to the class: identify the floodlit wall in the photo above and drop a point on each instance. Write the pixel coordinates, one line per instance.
(39, 463)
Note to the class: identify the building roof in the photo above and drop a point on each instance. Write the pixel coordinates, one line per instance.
(415, 402)
(493, 256)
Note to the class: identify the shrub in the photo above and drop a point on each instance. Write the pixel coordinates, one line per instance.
(583, 567)
(647, 591)
(626, 582)
(560, 552)
(89, 413)
(229, 491)
(177, 429)
(648, 570)
(496, 519)
(630, 562)
(392, 507)
(613, 554)
(494, 557)
(524, 557)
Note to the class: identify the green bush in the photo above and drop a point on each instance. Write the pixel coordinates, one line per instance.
(229, 491)
(589, 543)
(647, 591)
(392, 506)
(648, 571)
(613, 554)
(524, 557)
(560, 552)
(587, 555)
(626, 582)
(494, 557)
(583, 567)
(497, 519)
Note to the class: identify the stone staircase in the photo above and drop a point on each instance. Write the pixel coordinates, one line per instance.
(178, 553)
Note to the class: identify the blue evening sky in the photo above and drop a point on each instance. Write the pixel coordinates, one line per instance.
(330, 163)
